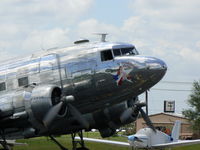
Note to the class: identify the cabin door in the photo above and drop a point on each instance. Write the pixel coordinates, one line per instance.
(50, 69)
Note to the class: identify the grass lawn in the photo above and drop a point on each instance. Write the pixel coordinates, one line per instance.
(44, 143)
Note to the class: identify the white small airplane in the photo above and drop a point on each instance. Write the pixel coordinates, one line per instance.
(147, 138)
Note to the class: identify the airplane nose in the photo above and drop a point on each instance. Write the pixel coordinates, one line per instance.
(153, 63)
(148, 70)
(155, 69)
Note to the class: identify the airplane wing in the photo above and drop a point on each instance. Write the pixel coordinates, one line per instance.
(178, 143)
(13, 142)
(105, 141)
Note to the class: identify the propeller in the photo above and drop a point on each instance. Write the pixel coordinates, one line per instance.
(147, 120)
(135, 110)
(76, 114)
(54, 111)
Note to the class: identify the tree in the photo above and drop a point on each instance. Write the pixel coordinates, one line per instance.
(193, 113)
(130, 128)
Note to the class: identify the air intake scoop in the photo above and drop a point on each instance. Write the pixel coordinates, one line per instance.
(81, 41)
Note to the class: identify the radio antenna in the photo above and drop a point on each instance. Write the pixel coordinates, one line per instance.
(103, 36)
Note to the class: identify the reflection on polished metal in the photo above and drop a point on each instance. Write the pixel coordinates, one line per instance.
(104, 78)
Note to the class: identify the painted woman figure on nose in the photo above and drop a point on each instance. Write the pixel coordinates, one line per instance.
(121, 76)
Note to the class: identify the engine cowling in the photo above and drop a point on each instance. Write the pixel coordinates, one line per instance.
(43, 97)
(27, 106)
(109, 119)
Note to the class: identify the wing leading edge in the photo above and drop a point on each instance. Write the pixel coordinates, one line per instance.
(178, 143)
(105, 141)
(125, 144)
(14, 143)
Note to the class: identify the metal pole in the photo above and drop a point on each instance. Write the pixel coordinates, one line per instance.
(146, 97)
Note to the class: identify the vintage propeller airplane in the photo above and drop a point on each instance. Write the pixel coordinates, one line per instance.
(65, 90)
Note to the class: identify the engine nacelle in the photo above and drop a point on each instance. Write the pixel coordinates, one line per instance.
(107, 132)
(43, 97)
(109, 119)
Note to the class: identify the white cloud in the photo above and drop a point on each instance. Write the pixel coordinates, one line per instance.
(5, 55)
(133, 23)
(26, 25)
(197, 44)
(54, 9)
(165, 10)
(92, 26)
(190, 55)
(8, 30)
(166, 19)
(38, 40)
(4, 44)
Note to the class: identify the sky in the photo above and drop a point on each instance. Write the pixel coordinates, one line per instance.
(167, 29)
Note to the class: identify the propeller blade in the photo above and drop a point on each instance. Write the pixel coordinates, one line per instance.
(147, 120)
(140, 104)
(126, 114)
(76, 114)
(51, 114)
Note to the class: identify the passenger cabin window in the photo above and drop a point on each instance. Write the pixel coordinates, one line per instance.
(23, 81)
(2, 86)
(125, 51)
(106, 55)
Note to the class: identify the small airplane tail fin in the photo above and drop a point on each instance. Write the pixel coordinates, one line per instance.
(176, 130)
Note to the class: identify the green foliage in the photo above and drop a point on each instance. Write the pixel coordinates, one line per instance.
(129, 128)
(193, 114)
(189, 147)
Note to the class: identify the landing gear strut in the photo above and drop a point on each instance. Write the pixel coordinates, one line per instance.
(3, 142)
(5, 145)
(56, 142)
(80, 142)
(75, 142)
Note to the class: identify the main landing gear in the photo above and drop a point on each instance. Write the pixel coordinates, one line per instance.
(3, 142)
(75, 142)
(5, 145)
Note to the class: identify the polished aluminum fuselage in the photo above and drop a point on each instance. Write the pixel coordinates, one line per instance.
(78, 71)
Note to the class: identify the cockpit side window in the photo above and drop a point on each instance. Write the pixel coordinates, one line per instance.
(117, 52)
(106, 55)
(127, 51)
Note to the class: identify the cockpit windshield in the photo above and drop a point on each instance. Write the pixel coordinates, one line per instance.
(125, 51)
(107, 54)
